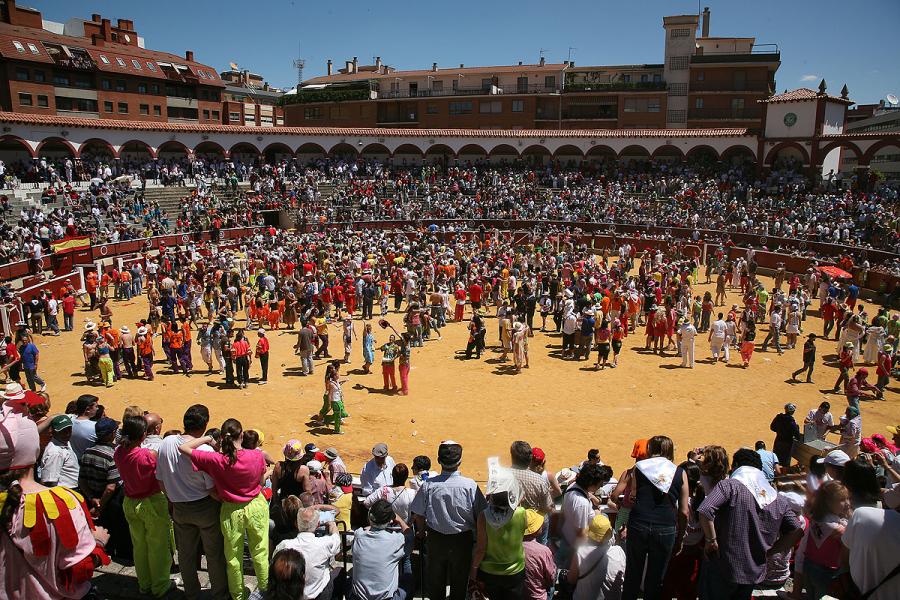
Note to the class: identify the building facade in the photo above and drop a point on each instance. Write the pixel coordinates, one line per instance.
(249, 101)
(704, 82)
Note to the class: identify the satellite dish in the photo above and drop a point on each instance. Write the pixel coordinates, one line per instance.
(892, 99)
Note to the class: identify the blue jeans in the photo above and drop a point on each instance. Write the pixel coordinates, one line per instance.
(650, 544)
(714, 586)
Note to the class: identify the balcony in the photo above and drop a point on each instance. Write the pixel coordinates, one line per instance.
(725, 114)
(618, 86)
(749, 87)
(467, 91)
(759, 53)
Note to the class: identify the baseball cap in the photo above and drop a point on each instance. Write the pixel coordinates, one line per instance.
(60, 422)
(600, 528)
(790, 407)
(836, 458)
(344, 481)
(314, 466)
(310, 448)
(538, 454)
(380, 450)
(106, 426)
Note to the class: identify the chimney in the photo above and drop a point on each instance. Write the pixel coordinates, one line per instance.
(189, 55)
(355, 65)
(706, 21)
(520, 63)
(348, 66)
(542, 61)
(434, 66)
(105, 29)
(378, 64)
(462, 66)
(328, 66)
(95, 18)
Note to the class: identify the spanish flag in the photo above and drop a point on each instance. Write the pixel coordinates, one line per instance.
(70, 244)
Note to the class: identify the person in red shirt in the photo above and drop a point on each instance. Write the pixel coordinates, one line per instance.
(240, 350)
(176, 345)
(883, 370)
(262, 353)
(90, 285)
(68, 308)
(460, 295)
(475, 291)
(13, 364)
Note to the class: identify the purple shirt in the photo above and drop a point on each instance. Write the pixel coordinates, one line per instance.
(745, 531)
(540, 570)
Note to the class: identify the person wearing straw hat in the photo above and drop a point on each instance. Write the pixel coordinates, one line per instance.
(144, 344)
(127, 341)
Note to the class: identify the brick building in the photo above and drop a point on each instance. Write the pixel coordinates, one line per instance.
(96, 69)
(703, 82)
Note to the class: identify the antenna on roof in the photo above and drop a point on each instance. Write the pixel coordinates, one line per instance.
(542, 50)
(299, 63)
(570, 53)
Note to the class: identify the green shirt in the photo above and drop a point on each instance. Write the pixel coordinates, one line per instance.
(505, 554)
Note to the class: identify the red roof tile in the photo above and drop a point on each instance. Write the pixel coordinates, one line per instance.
(803, 94)
(21, 118)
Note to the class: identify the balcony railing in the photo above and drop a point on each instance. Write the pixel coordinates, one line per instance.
(724, 114)
(469, 91)
(758, 53)
(619, 86)
(750, 87)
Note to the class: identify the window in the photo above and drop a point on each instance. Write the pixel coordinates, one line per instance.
(234, 117)
(43, 102)
(431, 108)
(215, 115)
(120, 85)
(214, 96)
(201, 74)
(644, 78)
(104, 60)
(76, 104)
(653, 105)
(676, 116)
(22, 74)
(60, 79)
(626, 78)
(206, 114)
(487, 83)
(157, 110)
(698, 103)
(123, 108)
(455, 84)
(34, 49)
(494, 106)
(633, 105)
(204, 95)
(461, 108)
(120, 61)
(19, 46)
(437, 86)
(678, 89)
(678, 63)
(154, 88)
(737, 106)
(312, 113)
(550, 82)
(107, 106)
(144, 109)
(657, 78)
(84, 83)
(24, 99)
(142, 88)
(522, 84)
(677, 33)
(105, 84)
(136, 64)
(39, 76)
(701, 75)
(518, 105)
(151, 66)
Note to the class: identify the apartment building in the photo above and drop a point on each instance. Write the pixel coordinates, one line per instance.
(248, 100)
(702, 82)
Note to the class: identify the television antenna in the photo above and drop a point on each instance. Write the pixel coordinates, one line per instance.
(570, 53)
(299, 63)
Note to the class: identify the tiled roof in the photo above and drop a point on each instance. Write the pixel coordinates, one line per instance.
(111, 50)
(441, 72)
(804, 94)
(28, 119)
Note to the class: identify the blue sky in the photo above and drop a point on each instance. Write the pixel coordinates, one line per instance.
(844, 42)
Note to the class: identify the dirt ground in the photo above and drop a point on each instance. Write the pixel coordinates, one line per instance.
(564, 407)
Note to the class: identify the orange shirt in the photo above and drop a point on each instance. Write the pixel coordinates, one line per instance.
(146, 346)
(176, 340)
(90, 283)
(186, 331)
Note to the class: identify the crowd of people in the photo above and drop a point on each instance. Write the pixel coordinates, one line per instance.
(715, 525)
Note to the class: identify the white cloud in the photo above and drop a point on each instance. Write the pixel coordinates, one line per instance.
(807, 78)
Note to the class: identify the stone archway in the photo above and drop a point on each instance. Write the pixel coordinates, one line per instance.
(787, 151)
(503, 153)
(702, 154)
(471, 153)
(310, 152)
(136, 151)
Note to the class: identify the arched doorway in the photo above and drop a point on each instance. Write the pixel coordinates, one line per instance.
(738, 156)
(244, 153)
(209, 152)
(875, 155)
(536, 155)
(407, 154)
(15, 152)
(704, 155)
(471, 154)
(277, 152)
(668, 153)
(136, 152)
(503, 154)
(96, 150)
(343, 151)
(55, 149)
(439, 154)
(634, 153)
(602, 154)
(310, 152)
(787, 155)
(173, 151)
(569, 156)
(838, 157)
(375, 151)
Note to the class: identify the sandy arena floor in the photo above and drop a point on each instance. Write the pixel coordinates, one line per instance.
(561, 406)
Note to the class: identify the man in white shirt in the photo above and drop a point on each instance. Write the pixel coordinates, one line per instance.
(317, 551)
(59, 465)
(716, 339)
(821, 419)
(195, 510)
(687, 333)
(774, 330)
(873, 539)
(578, 511)
(377, 472)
